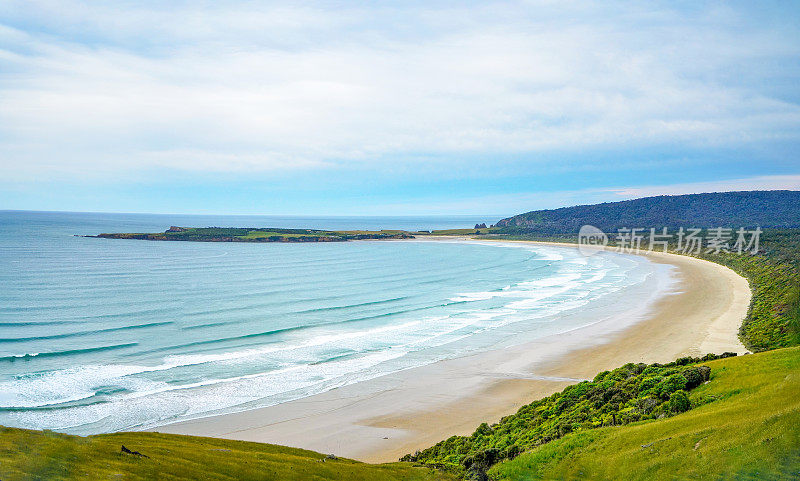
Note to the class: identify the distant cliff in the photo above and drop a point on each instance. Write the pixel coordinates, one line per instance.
(775, 208)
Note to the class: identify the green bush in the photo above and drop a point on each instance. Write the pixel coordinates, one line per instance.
(679, 402)
(633, 392)
(649, 383)
(673, 383)
(695, 376)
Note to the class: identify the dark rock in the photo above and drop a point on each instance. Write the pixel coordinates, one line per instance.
(134, 453)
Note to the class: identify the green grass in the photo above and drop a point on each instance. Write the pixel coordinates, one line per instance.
(250, 234)
(36, 455)
(382, 231)
(260, 234)
(750, 429)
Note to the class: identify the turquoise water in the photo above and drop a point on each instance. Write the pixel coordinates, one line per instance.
(100, 335)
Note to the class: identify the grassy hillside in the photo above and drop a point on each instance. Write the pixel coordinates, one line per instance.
(47, 456)
(746, 428)
(257, 234)
(777, 209)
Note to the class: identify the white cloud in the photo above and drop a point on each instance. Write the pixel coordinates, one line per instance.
(503, 205)
(113, 88)
(766, 182)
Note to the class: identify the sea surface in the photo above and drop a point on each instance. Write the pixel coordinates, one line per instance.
(101, 335)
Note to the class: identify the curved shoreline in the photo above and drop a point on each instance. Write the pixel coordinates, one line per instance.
(381, 419)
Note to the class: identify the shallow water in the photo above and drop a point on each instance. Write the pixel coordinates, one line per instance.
(100, 335)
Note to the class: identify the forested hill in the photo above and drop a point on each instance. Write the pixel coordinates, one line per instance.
(774, 208)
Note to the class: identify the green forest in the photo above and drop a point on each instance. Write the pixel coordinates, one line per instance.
(774, 209)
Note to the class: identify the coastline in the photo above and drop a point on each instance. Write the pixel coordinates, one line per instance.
(381, 419)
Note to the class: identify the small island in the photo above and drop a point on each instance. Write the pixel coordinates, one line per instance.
(258, 234)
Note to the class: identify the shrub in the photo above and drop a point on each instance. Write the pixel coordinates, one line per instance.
(671, 384)
(631, 393)
(679, 402)
(649, 383)
(647, 404)
(694, 377)
(601, 376)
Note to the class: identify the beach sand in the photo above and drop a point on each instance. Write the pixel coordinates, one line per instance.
(381, 419)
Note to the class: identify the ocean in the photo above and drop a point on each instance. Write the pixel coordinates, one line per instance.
(102, 335)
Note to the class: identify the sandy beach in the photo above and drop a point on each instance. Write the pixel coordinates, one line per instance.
(381, 419)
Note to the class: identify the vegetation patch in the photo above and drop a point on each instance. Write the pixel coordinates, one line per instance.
(744, 428)
(773, 320)
(631, 393)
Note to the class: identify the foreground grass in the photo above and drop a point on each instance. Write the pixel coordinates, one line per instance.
(750, 429)
(37, 455)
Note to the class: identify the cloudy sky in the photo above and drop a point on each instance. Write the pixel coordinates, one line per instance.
(392, 108)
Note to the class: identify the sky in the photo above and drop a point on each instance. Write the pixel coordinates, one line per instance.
(392, 108)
